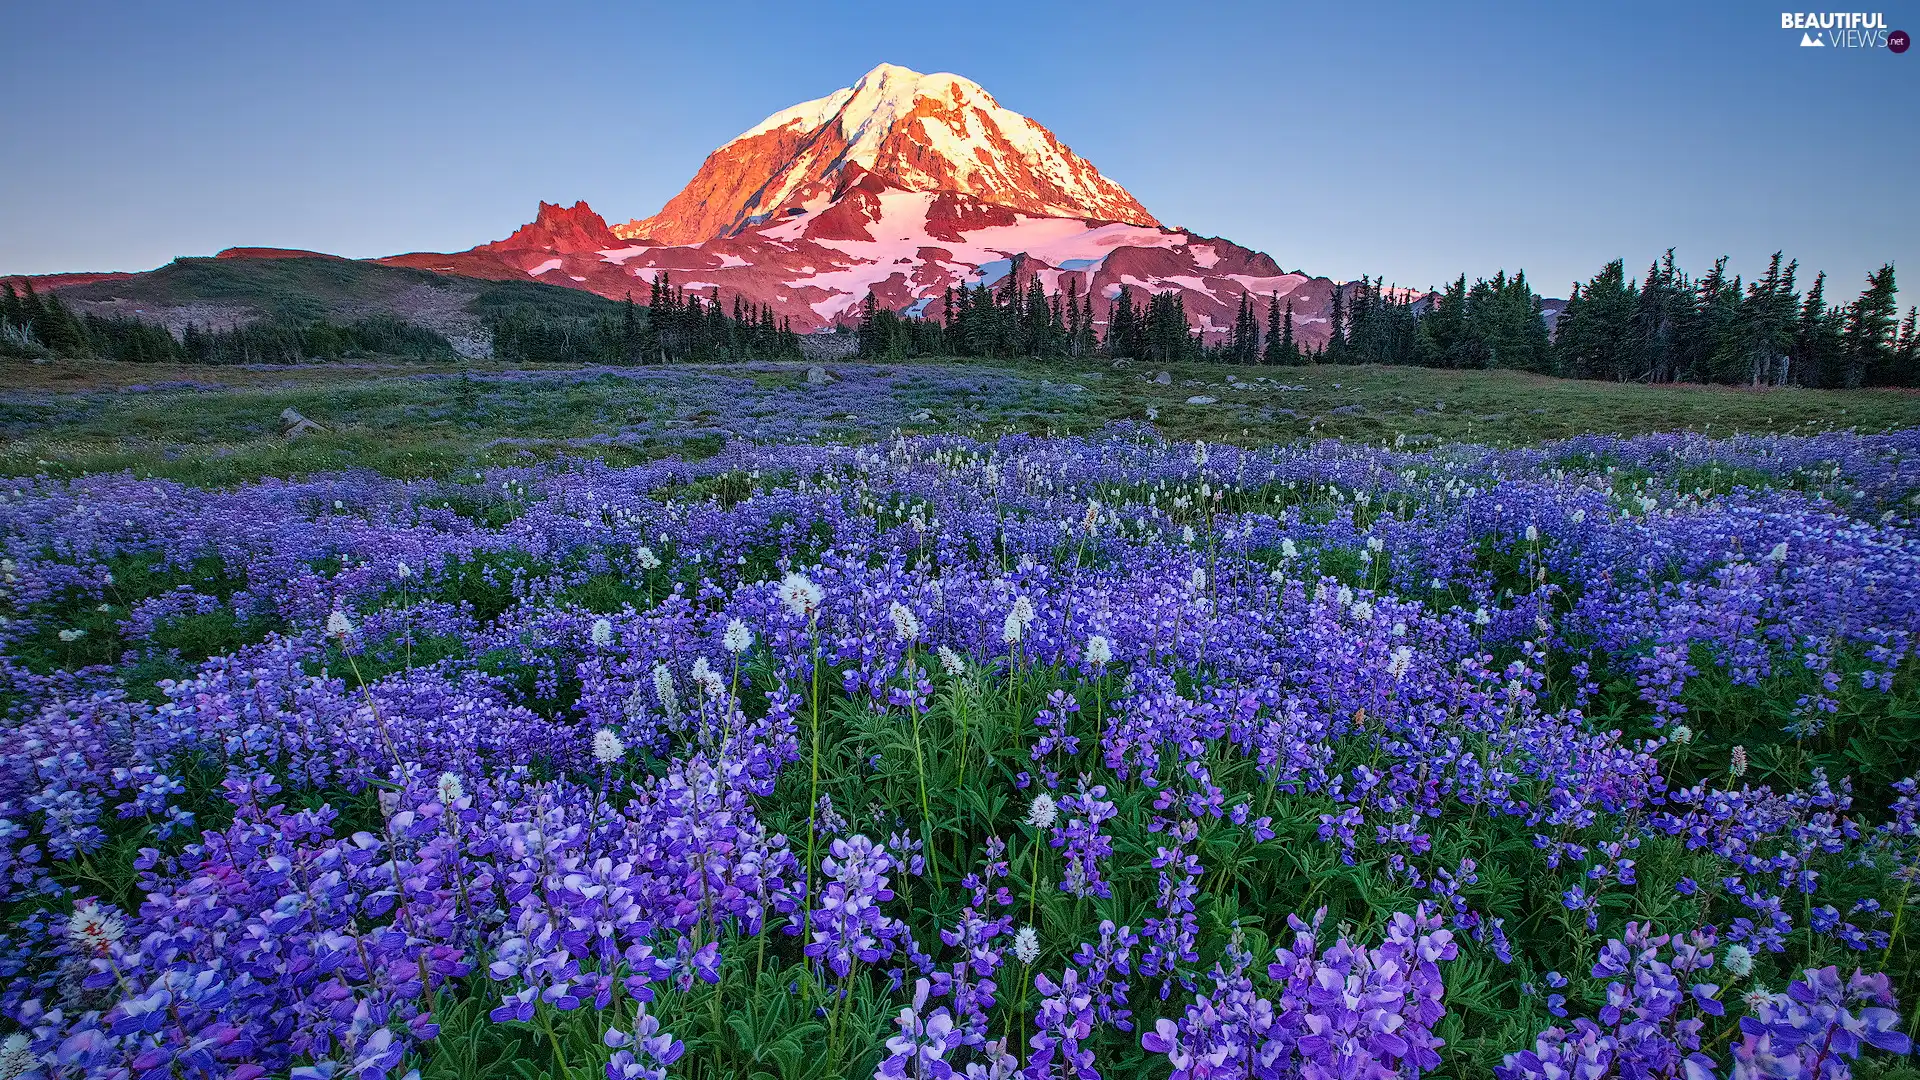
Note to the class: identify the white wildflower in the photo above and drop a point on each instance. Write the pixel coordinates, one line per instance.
(663, 689)
(602, 633)
(1362, 611)
(1482, 617)
(1739, 960)
(1042, 813)
(708, 679)
(1401, 662)
(450, 789)
(1737, 763)
(402, 571)
(1011, 629)
(93, 929)
(738, 638)
(16, 1056)
(1198, 579)
(1376, 544)
(1779, 553)
(1023, 610)
(338, 625)
(1533, 535)
(648, 560)
(1099, 651)
(607, 747)
(1026, 945)
(906, 625)
(1186, 534)
(1682, 735)
(72, 635)
(951, 661)
(1287, 549)
(800, 594)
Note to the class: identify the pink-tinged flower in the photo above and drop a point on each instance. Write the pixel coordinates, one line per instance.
(800, 594)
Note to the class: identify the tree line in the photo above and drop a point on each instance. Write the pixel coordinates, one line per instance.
(1663, 326)
(675, 326)
(35, 326)
(1666, 327)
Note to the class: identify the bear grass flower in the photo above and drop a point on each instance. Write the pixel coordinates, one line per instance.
(738, 639)
(17, 1057)
(94, 929)
(1099, 651)
(906, 625)
(951, 662)
(607, 747)
(1026, 945)
(1042, 812)
(800, 595)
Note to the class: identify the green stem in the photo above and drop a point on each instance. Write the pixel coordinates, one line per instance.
(813, 797)
(1899, 916)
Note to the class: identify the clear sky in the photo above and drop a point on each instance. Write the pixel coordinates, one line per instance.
(1411, 140)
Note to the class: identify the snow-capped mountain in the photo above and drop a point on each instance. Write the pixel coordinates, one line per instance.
(903, 185)
(917, 132)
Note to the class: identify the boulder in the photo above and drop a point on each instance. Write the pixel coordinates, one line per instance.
(1163, 378)
(1201, 399)
(293, 425)
(817, 376)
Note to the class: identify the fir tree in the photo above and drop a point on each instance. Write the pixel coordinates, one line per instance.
(1867, 339)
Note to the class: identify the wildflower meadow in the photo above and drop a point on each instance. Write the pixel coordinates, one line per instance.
(940, 756)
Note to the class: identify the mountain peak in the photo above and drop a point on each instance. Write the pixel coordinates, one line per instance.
(562, 228)
(939, 133)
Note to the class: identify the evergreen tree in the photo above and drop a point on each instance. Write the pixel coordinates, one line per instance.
(1815, 356)
(1867, 339)
(1121, 337)
(1245, 344)
(1336, 329)
(1906, 351)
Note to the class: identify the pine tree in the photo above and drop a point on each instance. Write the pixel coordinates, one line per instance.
(1869, 330)
(1336, 328)
(1906, 351)
(12, 311)
(1120, 330)
(629, 331)
(1246, 333)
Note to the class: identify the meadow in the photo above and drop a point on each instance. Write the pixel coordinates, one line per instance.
(955, 720)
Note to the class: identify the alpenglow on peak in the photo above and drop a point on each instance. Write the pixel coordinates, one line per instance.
(938, 132)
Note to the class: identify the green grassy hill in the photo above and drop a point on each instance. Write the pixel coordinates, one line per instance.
(222, 292)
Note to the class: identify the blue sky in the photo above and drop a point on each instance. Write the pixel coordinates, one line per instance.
(1414, 141)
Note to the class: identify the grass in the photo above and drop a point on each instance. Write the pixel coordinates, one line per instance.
(309, 288)
(221, 425)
